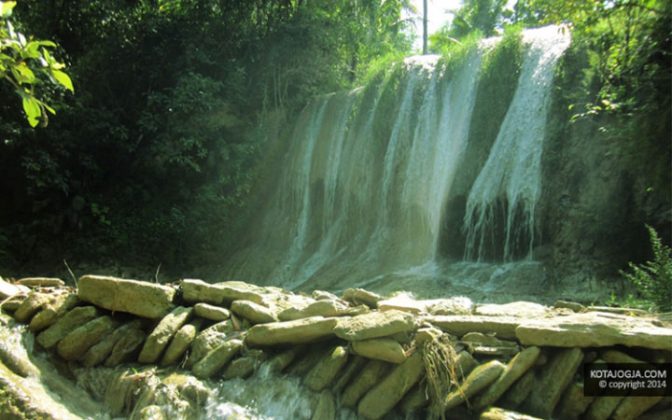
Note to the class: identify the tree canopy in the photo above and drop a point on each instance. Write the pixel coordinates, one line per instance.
(163, 129)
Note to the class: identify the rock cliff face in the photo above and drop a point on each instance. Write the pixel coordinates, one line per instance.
(467, 176)
(359, 355)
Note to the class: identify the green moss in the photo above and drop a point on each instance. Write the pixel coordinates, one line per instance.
(498, 80)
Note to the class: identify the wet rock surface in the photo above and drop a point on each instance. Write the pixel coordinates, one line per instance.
(364, 353)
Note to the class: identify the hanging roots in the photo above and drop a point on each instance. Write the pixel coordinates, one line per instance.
(439, 358)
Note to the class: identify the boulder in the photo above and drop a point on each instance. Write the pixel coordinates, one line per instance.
(502, 326)
(633, 408)
(594, 329)
(215, 360)
(63, 326)
(99, 352)
(486, 340)
(386, 394)
(415, 400)
(195, 291)
(426, 334)
(326, 407)
(126, 389)
(354, 366)
(323, 295)
(487, 345)
(126, 347)
(374, 325)
(147, 300)
(325, 308)
(372, 372)
(516, 368)
(31, 305)
(191, 389)
(574, 306)
(457, 305)
(220, 293)
(280, 361)
(41, 282)
(51, 311)
(291, 332)
(74, 345)
(179, 344)
(479, 378)
(244, 366)
(464, 364)
(384, 349)
(361, 296)
(325, 371)
(208, 339)
(309, 358)
(574, 402)
(602, 407)
(615, 356)
(520, 309)
(402, 302)
(520, 390)
(253, 312)
(158, 340)
(11, 304)
(554, 378)
(211, 312)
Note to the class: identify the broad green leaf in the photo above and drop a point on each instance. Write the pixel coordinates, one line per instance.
(32, 50)
(6, 8)
(63, 79)
(32, 109)
(24, 74)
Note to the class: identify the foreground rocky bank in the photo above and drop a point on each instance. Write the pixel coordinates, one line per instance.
(149, 351)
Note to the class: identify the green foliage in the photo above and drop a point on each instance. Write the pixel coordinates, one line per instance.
(653, 279)
(25, 64)
(629, 301)
(482, 16)
(153, 159)
(629, 47)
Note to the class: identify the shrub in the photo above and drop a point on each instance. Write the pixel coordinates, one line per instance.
(653, 279)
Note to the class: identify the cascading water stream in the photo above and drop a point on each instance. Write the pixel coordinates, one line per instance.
(363, 189)
(511, 176)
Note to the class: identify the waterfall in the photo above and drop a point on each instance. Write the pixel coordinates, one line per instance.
(511, 176)
(362, 189)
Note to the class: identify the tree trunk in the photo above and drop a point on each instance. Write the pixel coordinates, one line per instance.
(424, 27)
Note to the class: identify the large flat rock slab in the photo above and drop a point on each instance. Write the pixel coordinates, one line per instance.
(521, 309)
(41, 282)
(594, 329)
(144, 299)
(502, 326)
(195, 290)
(374, 325)
(299, 331)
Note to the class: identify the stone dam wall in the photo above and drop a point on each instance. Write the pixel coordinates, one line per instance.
(362, 354)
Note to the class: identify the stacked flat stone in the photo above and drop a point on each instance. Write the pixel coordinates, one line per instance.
(518, 360)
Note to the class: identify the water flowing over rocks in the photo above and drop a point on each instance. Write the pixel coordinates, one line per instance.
(366, 356)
